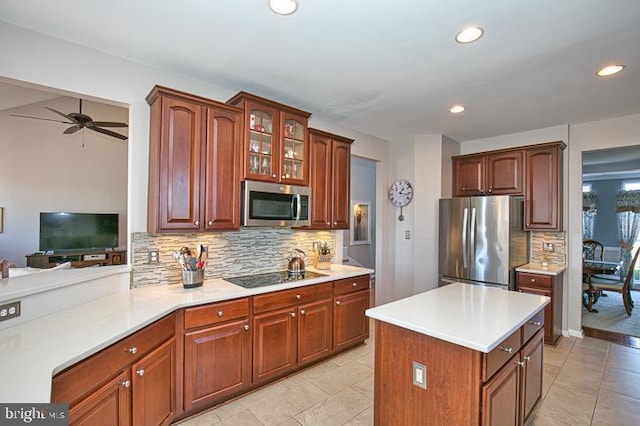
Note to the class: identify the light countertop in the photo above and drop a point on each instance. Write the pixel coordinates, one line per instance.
(537, 268)
(32, 352)
(476, 317)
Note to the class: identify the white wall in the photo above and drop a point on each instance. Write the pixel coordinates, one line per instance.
(43, 170)
(363, 189)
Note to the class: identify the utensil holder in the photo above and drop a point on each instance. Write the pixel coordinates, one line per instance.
(192, 279)
(322, 261)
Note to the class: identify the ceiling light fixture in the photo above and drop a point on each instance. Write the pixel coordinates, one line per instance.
(609, 70)
(283, 7)
(469, 34)
(457, 109)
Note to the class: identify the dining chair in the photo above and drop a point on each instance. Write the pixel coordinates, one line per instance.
(592, 250)
(596, 285)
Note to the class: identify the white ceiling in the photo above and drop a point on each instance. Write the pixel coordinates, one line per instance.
(388, 69)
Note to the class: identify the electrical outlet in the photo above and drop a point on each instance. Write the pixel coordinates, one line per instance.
(419, 375)
(407, 235)
(10, 310)
(154, 256)
(547, 246)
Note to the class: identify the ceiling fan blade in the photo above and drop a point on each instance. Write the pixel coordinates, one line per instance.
(40, 118)
(109, 124)
(68, 117)
(71, 130)
(108, 132)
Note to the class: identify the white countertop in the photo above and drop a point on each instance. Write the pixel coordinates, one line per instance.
(32, 352)
(537, 268)
(476, 317)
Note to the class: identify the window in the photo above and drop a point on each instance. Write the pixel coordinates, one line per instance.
(631, 185)
(586, 187)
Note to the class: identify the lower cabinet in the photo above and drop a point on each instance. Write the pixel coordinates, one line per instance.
(274, 344)
(131, 382)
(509, 396)
(550, 286)
(351, 326)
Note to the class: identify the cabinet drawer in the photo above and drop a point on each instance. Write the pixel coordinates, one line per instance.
(534, 280)
(349, 285)
(281, 299)
(532, 326)
(216, 313)
(86, 375)
(495, 359)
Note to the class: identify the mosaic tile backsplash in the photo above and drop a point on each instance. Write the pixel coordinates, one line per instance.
(557, 257)
(248, 251)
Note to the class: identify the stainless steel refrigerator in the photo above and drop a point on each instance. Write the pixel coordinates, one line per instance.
(482, 240)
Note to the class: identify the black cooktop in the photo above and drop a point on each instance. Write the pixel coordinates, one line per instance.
(270, 278)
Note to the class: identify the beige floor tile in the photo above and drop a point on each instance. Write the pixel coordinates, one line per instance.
(337, 409)
(577, 377)
(285, 405)
(537, 419)
(204, 419)
(264, 394)
(342, 377)
(548, 379)
(553, 357)
(309, 373)
(568, 405)
(616, 409)
(592, 343)
(590, 358)
(352, 355)
(624, 360)
(244, 418)
(290, 422)
(365, 418)
(620, 348)
(623, 382)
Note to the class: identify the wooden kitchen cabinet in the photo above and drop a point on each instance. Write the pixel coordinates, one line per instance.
(217, 347)
(498, 173)
(194, 163)
(282, 341)
(550, 286)
(132, 381)
(276, 147)
(543, 187)
(330, 180)
(351, 299)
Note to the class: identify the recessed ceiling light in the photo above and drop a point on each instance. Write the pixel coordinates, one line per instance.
(469, 34)
(283, 7)
(456, 109)
(609, 70)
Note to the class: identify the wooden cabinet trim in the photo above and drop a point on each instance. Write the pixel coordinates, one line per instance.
(215, 313)
(350, 285)
(280, 299)
(494, 360)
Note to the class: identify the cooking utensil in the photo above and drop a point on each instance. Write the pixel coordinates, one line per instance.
(296, 263)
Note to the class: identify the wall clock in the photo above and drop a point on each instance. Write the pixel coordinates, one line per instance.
(400, 194)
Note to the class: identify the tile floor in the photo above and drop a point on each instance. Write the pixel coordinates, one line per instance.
(586, 382)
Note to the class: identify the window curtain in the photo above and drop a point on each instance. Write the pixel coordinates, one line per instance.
(589, 211)
(628, 212)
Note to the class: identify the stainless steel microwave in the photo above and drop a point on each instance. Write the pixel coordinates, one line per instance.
(272, 204)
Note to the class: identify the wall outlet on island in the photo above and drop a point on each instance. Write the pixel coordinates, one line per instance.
(10, 310)
(548, 247)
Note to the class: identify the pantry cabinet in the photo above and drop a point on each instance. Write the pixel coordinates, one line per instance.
(330, 180)
(276, 147)
(194, 163)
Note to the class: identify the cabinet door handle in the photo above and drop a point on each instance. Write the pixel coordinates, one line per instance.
(140, 372)
(490, 189)
(521, 363)
(196, 223)
(328, 223)
(133, 350)
(298, 297)
(533, 280)
(335, 223)
(246, 327)
(303, 312)
(536, 323)
(293, 314)
(274, 175)
(220, 314)
(126, 383)
(527, 358)
(210, 223)
(355, 284)
(337, 302)
(507, 350)
(464, 189)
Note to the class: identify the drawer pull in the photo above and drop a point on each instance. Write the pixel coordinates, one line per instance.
(246, 327)
(298, 297)
(133, 350)
(536, 323)
(355, 284)
(140, 372)
(302, 312)
(196, 223)
(126, 383)
(521, 363)
(210, 223)
(337, 302)
(220, 314)
(293, 314)
(527, 358)
(533, 280)
(507, 350)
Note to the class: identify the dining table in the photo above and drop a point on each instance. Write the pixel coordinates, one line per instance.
(592, 268)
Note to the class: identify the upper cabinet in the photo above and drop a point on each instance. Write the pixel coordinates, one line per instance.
(543, 187)
(534, 171)
(194, 163)
(330, 180)
(276, 147)
(498, 173)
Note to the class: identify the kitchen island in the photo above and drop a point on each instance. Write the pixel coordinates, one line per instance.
(459, 354)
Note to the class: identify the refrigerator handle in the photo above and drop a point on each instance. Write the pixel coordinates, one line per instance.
(465, 217)
(472, 232)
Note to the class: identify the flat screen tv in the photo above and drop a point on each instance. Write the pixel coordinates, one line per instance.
(78, 231)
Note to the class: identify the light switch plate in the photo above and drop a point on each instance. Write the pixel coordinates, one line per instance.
(419, 375)
(548, 247)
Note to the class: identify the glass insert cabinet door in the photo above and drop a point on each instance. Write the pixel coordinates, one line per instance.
(261, 143)
(293, 150)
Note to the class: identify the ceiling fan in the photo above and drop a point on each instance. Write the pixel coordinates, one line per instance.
(78, 120)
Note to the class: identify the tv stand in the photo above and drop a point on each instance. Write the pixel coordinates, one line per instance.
(78, 259)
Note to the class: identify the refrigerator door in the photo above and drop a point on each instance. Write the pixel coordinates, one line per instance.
(489, 239)
(454, 237)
